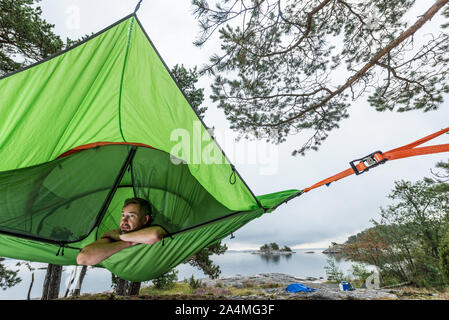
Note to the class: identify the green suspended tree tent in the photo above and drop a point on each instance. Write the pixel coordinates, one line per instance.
(92, 126)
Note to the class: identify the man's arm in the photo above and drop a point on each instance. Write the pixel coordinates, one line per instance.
(147, 235)
(100, 250)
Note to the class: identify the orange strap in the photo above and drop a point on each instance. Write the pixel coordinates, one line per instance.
(378, 157)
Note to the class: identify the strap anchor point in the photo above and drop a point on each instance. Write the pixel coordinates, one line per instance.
(370, 161)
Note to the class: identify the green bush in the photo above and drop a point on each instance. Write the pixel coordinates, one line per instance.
(166, 281)
(444, 257)
(333, 273)
(194, 284)
(360, 273)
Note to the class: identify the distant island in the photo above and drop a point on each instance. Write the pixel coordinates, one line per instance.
(273, 249)
(334, 248)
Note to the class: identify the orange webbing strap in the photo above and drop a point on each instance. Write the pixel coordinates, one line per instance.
(379, 157)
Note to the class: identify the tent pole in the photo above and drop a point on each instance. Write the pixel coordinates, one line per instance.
(111, 194)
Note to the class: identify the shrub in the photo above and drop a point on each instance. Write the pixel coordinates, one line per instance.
(333, 273)
(166, 281)
(444, 257)
(360, 273)
(194, 284)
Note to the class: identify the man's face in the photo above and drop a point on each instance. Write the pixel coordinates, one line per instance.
(132, 219)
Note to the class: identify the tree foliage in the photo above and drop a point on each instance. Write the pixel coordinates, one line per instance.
(409, 241)
(289, 66)
(273, 246)
(187, 79)
(166, 281)
(444, 257)
(333, 272)
(202, 259)
(25, 37)
(8, 278)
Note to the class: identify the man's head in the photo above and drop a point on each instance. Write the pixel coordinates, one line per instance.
(136, 213)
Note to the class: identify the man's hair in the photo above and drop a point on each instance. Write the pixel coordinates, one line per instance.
(144, 205)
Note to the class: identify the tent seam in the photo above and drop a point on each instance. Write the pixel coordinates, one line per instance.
(122, 79)
(234, 171)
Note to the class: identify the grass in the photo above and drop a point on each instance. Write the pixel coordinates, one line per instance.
(182, 290)
(414, 293)
(178, 288)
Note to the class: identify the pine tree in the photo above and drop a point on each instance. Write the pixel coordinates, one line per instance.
(290, 66)
(25, 37)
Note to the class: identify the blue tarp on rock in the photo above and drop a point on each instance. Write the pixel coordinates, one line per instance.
(298, 287)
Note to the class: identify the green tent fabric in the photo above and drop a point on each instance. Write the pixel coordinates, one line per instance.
(99, 123)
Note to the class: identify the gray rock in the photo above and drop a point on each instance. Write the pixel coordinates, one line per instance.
(323, 290)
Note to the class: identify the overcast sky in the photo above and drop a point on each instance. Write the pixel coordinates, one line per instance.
(320, 216)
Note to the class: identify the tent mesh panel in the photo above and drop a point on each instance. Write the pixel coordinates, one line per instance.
(60, 201)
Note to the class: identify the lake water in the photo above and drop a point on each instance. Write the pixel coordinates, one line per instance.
(299, 264)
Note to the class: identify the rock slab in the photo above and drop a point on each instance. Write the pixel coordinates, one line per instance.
(274, 284)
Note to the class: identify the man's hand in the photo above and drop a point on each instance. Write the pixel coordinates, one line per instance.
(100, 250)
(112, 234)
(149, 235)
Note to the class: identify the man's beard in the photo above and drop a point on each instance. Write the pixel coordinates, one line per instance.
(129, 229)
(125, 231)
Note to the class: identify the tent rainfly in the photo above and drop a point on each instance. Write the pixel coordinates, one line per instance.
(92, 126)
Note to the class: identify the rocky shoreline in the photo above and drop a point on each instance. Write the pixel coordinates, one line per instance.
(272, 286)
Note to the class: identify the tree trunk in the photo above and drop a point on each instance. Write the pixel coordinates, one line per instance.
(77, 290)
(72, 279)
(52, 282)
(31, 286)
(120, 289)
(133, 288)
(126, 288)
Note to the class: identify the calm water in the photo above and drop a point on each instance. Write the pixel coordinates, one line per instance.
(232, 262)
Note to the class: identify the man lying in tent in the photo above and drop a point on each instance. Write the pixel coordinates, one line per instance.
(135, 228)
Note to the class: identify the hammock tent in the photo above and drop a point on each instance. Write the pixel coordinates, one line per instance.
(90, 127)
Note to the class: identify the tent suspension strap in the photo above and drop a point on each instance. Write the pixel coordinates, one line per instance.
(374, 159)
(137, 7)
